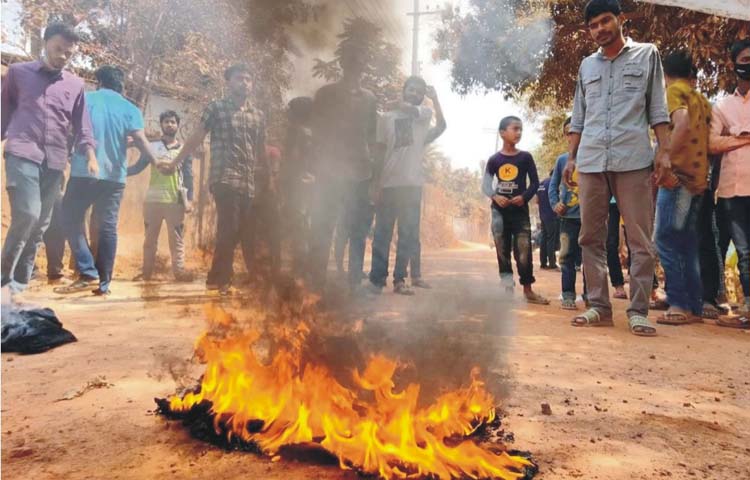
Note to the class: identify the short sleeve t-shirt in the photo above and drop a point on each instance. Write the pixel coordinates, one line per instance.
(690, 162)
(404, 136)
(113, 118)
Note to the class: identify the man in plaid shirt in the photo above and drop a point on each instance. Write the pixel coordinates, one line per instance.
(238, 133)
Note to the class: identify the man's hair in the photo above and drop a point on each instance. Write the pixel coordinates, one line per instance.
(737, 47)
(63, 29)
(679, 64)
(169, 114)
(110, 77)
(505, 122)
(235, 69)
(300, 108)
(567, 122)
(415, 79)
(597, 7)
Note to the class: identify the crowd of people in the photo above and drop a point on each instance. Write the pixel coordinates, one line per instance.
(345, 166)
(680, 201)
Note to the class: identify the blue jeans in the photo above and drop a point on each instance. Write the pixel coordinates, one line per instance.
(402, 205)
(32, 190)
(677, 243)
(738, 209)
(105, 197)
(511, 231)
(570, 251)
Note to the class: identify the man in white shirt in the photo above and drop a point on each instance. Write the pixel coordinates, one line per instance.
(403, 134)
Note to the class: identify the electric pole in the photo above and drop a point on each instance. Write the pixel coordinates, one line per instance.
(415, 35)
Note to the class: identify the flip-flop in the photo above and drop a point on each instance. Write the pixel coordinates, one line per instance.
(742, 323)
(710, 312)
(536, 299)
(568, 304)
(674, 318)
(591, 318)
(640, 326)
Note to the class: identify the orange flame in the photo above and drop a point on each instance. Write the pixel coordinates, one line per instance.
(387, 434)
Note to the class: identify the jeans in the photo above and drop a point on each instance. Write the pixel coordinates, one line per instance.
(613, 247)
(54, 241)
(511, 227)
(677, 243)
(105, 197)
(32, 191)
(738, 209)
(154, 214)
(235, 212)
(550, 243)
(711, 263)
(402, 205)
(350, 200)
(570, 251)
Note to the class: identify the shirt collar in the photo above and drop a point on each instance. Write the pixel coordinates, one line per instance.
(628, 45)
(247, 105)
(40, 67)
(746, 97)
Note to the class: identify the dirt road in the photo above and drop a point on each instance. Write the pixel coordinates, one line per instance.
(674, 406)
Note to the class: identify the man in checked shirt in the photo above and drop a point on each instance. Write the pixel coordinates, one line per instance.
(238, 161)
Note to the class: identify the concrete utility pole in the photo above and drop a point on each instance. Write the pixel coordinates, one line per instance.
(415, 35)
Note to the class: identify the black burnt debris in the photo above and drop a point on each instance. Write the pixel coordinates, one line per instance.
(200, 423)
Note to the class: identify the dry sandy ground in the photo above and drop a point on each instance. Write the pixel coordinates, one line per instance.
(675, 406)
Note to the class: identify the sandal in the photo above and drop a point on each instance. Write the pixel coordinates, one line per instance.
(80, 285)
(620, 293)
(568, 304)
(742, 323)
(536, 299)
(640, 326)
(591, 318)
(710, 311)
(674, 318)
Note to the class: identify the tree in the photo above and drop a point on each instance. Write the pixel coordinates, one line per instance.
(553, 143)
(183, 45)
(545, 76)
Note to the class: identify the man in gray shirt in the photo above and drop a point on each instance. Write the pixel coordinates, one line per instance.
(620, 92)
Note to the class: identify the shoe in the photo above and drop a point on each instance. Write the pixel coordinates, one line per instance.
(543, 267)
(227, 291)
(184, 276)
(373, 289)
(419, 283)
(554, 267)
(212, 286)
(80, 285)
(400, 288)
(101, 293)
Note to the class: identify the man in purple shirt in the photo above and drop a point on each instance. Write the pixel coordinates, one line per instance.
(41, 104)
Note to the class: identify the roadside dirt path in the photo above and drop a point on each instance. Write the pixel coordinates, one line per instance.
(675, 406)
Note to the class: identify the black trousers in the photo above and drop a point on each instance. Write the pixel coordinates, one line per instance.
(550, 243)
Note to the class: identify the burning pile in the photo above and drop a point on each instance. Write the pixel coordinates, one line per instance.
(370, 427)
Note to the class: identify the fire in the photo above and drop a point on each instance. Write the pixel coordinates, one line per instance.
(371, 427)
